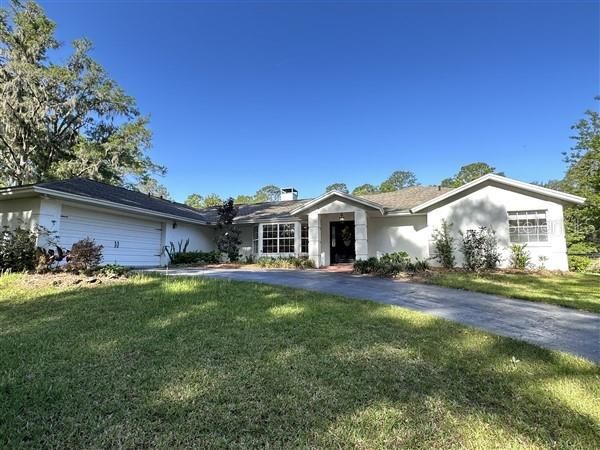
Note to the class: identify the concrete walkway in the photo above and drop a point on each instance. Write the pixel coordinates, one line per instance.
(548, 326)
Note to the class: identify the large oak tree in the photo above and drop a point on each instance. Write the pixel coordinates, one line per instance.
(63, 120)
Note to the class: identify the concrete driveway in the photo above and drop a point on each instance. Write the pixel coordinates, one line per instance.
(548, 326)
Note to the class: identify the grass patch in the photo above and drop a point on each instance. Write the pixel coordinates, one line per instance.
(155, 362)
(573, 290)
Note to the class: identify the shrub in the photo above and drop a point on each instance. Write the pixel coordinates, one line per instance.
(85, 256)
(443, 246)
(582, 248)
(50, 254)
(400, 258)
(388, 268)
(420, 265)
(579, 263)
(519, 258)
(480, 249)
(113, 270)
(366, 266)
(195, 257)
(291, 262)
(594, 266)
(17, 249)
(390, 265)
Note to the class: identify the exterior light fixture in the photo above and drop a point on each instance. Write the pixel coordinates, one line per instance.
(174, 225)
(341, 217)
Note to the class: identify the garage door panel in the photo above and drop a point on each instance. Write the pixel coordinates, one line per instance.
(106, 238)
(126, 227)
(125, 240)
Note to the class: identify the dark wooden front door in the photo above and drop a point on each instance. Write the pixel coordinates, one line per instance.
(341, 242)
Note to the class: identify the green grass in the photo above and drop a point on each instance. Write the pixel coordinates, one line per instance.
(573, 290)
(185, 363)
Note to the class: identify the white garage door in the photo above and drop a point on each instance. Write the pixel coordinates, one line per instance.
(126, 241)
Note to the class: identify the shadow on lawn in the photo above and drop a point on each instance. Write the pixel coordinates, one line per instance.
(219, 363)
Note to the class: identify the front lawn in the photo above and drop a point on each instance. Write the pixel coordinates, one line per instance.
(574, 290)
(161, 363)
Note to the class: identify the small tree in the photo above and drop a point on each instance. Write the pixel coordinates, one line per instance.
(365, 189)
(227, 234)
(194, 200)
(443, 245)
(268, 193)
(399, 179)
(211, 200)
(469, 173)
(337, 187)
(480, 249)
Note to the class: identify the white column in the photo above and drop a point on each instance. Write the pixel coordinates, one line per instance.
(361, 246)
(164, 258)
(260, 239)
(314, 238)
(297, 238)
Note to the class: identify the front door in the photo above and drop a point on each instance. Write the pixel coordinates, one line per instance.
(341, 242)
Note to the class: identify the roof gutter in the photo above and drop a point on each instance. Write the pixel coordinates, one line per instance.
(83, 199)
(16, 190)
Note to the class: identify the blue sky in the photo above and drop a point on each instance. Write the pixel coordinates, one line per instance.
(243, 94)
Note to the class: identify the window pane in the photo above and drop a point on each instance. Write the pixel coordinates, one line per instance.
(527, 226)
(304, 236)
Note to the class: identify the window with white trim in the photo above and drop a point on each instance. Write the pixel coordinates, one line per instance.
(528, 226)
(255, 239)
(304, 238)
(278, 238)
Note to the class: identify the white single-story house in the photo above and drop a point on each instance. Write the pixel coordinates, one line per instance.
(333, 228)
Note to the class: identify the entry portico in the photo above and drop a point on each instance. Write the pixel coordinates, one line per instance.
(337, 227)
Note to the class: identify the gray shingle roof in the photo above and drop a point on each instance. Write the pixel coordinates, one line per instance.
(403, 199)
(96, 190)
(406, 198)
(261, 211)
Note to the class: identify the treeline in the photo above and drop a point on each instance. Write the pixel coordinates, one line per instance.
(401, 179)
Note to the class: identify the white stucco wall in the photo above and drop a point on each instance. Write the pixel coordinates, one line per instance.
(19, 212)
(246, 238)
(201, 236)
(488, 207)
(395, 234)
